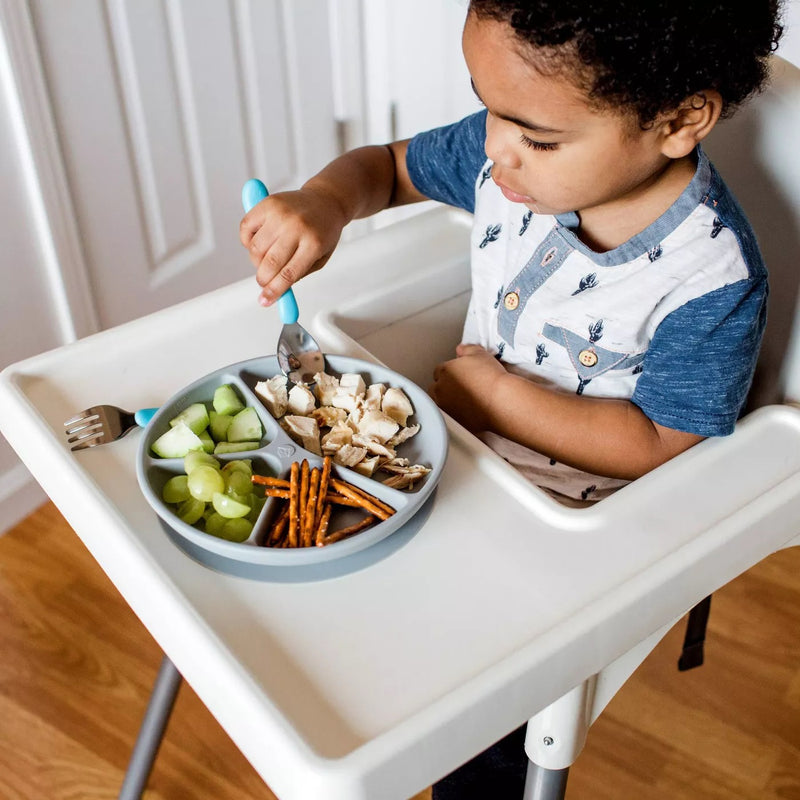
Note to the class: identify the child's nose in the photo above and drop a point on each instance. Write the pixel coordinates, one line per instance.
(501, 143)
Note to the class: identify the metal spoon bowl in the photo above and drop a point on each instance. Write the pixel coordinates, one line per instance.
(299, 355)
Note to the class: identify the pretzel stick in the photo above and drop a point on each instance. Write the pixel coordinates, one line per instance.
(266, 480)
(323, 489)
(330, 497)
(349, 531)
(274, 491)
(311, 508)
(322, 528)
(278, 527)
(301, 509)
(294, 496)
(379, 503)
(366, 501)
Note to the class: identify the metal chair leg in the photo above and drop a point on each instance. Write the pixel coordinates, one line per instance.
(151, 732)
(545, 784)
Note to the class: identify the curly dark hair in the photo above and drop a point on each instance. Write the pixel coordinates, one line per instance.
(649, 55)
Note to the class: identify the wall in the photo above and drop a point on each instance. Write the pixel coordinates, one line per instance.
(29, 318)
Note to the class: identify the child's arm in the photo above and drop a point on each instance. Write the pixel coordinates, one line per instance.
(290, 234)
(604, 436)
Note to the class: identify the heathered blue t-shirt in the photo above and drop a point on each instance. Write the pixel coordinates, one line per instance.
(672, 319)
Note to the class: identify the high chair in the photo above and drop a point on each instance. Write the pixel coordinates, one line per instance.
(374, 676)
(756, 152)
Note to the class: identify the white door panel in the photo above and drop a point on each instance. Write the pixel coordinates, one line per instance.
(163, 109)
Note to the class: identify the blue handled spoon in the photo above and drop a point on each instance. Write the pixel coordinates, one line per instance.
(299, 356)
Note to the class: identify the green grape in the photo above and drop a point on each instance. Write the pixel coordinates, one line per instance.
(204, 481)
(228, 507)
(175, 490)
(238, 483)
(191, 510)
(196, 458)
(215, 523)
(255, 510)
(244, 499)
(236, 530)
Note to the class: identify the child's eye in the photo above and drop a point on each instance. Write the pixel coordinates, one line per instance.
(532, 143)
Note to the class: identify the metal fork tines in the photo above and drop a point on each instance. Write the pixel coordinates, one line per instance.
(98, 425)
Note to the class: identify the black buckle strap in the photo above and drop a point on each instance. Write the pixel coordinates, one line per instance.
(692, 654)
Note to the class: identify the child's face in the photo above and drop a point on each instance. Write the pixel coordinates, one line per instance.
(552, 150)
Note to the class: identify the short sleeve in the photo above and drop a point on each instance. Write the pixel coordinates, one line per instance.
(444, 163)
(700, 363)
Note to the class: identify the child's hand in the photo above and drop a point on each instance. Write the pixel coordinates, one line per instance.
(288, 236)
(463, 386)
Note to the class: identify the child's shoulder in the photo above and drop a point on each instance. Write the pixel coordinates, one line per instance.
(727, 215)
(444, 163)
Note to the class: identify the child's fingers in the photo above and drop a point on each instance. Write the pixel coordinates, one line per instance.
(274, 258)
(250, 224)
(278, 282)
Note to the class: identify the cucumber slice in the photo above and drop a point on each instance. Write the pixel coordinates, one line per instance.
(245, 426)
(226, 401)
(235, 447)
(195, 416)
(218, 426)
(177, 442)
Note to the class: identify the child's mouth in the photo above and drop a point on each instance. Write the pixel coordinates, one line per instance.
(513, 196)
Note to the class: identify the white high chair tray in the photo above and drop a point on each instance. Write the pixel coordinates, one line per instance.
(377, 679)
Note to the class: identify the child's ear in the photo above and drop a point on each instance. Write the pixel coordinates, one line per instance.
(690, 123)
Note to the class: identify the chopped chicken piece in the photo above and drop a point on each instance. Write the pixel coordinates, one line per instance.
(364, 424)
(396, 405)
(367, 466)
(404, 477)
(405, 469)
(373, 445)
(350, 393)
(304, 430)
(349, 456)
(403, 435)
(354, 417)
(325, 387)
(301, 400)
(377, 424)
(397, 463)
(328, 416)
(338, 436)
(374, 396)
(400, 482)
(274, 394)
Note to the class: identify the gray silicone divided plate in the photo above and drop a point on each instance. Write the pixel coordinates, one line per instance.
(275, 455)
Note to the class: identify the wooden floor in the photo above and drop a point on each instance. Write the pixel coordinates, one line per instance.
(76, 668)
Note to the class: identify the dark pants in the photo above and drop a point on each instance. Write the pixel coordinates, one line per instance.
(496, 774)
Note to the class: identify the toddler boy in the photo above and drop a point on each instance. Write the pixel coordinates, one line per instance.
(618, 292)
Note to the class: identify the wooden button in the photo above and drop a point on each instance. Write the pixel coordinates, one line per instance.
(587, 357)
(511, 301)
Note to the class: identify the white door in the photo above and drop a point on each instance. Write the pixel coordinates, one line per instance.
(162, 109)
